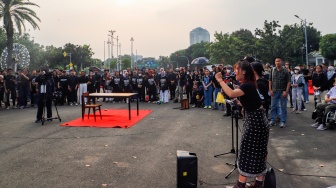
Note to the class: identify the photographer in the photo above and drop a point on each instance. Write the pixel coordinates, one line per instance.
(253, 147)
(45, 94)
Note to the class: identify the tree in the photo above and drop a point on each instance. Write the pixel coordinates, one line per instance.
(328, 46)
(16, 12)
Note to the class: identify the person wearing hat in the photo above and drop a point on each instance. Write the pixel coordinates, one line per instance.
(297, 83)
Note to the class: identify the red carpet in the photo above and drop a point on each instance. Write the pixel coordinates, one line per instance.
(111, 118)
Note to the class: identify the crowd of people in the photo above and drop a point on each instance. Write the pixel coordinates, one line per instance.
(255, 88)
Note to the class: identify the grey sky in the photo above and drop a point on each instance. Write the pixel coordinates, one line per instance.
(160, 27)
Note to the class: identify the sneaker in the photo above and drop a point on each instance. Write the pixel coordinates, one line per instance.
(71, 104)
(282, 125)
(15, 107)
(209, 107)
(97, 100)
(315, 125)
(205, 106)
(298, 112)
(193, 106)
(76, 104)
(307, 102)
(304, 109)
(271, 123)
(7, 108)
(321, 128)
(38, 121)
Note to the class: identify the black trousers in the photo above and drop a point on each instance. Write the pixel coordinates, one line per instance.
(44, 101)
(172, 89)
(141, 93)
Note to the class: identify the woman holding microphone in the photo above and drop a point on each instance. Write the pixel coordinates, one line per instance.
(251, 161)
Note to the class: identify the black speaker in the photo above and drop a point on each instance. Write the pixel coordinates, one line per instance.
(186, 169)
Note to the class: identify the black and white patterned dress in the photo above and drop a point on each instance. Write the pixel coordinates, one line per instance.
(253, 147)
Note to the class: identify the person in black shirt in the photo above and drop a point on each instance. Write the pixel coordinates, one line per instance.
(262, 84)
(24, 89)
(141, 86)
(46, 88)
(117, 83)
(63, 86)
(253, 146)
(134, 82)
(320, 81)
(151, 86)
(73, 87)
(172, 83)
(307, 76)
(189, 86)
(83, 82)
(11, 87)
(91, 83)
(197, 97)
(163, 85)
(97, 77)
(217, 89)
(33, 89)
(181, 88)
(127, 88)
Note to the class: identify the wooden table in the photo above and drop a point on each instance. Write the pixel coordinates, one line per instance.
(118, 95)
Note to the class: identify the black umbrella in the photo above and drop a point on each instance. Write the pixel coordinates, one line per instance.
(200, 60)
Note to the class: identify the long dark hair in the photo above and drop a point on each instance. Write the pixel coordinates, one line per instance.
(249, 75)
(258, 68)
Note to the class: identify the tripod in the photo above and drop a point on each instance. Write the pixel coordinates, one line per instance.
(235, 112)
(234, 115)
(232, 151)
(44, 96)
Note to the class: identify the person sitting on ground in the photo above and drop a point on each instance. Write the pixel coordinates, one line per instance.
(323, 109)
(197, 96)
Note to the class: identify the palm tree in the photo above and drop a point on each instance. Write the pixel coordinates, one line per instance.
(16, 12)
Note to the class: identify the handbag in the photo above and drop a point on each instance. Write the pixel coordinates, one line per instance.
(270, 179)
(220, 98)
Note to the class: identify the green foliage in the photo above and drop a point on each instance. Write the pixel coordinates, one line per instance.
(15, 13)
(328, 46)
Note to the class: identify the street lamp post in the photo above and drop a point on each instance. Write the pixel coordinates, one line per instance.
(120, 57)
(305, 32)
(111, 35)
(132, 51)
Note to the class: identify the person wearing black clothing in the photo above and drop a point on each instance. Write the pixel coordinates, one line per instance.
(181, 86)
(217, 89)
(56, 77)
(103, 81)
(134, 82)
(319, 80)
(172, 83)
(262, 85)
(163, 85)
(46, 88)
(63, 86)
(253, 146)
(151, 86)
(197, 97)
(73, 87)
(141, 87)
(91, 83)
(189, 86)
(33, 90)
(83, 82)
(127, 88)
(117, 83)
(307, 77)
(11, 89)
(24, 89)
(97, 77)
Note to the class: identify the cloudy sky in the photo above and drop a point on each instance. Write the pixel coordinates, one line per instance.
(160, 27)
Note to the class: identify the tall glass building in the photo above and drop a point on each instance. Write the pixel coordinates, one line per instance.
(198, 35)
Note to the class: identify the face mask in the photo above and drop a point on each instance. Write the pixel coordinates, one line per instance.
(296, 71)
(228, 71)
